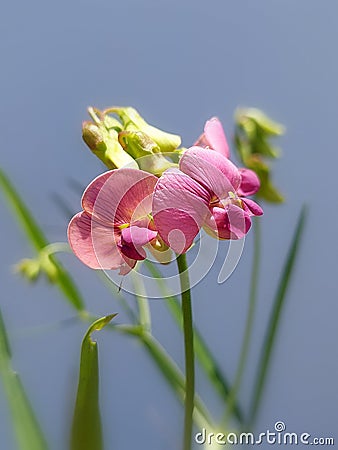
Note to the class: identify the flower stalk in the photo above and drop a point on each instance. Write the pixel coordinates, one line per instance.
(189, 349)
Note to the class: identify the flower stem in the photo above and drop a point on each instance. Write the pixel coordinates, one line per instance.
(189, 350)
(249, 321)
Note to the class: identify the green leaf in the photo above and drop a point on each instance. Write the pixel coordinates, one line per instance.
(274, 320)
(38, 240)
(27, 430)
(86, 433)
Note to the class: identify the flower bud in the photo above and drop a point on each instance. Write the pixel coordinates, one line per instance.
(252, 140)
(28, 268)
(132, 121)
(145, 151)
(105, 145)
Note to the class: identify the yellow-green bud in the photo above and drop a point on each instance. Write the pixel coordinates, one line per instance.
(145, 151)
(132, 121)
(105, 145)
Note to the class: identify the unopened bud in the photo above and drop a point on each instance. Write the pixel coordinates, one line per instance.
(132, 121)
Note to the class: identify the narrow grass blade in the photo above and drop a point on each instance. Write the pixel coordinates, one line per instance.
(86, 433)
(275, 316)
(27, 430)
(38, 240)
(168, 368)
(203, 354)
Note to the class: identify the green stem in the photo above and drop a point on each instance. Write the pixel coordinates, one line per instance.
(142, 301)
(189, 350)
(249, 321)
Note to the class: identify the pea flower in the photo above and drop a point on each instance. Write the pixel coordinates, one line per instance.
(115, 224)
(207, 191)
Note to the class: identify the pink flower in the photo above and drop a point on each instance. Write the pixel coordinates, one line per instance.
(207, 191)
(115, 223)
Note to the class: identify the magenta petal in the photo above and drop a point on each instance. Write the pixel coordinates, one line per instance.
(131, 252)
(93, 243)
(133, 238)
(120, 196)
(249, 184)
(180, 206)
(232, 222)
(252, 207)
(211, 169)
(138, 236)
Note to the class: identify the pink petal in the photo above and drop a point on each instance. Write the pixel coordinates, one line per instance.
(120, 196)
(232, 222)
(250, 182)
(133, 238)
(127, 266)
(211, 169)
(180, 206)
(252, 207)
(138, 236)
(93, 243)
(215, 135)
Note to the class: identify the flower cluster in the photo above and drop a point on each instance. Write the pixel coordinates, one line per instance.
(129, 210)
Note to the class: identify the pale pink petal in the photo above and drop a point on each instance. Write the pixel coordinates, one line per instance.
(93, 243)
(249, 182)
(120, 196)
(252, 207)
(212, 170)
(214, 137)
(180, 206)
(127, 266)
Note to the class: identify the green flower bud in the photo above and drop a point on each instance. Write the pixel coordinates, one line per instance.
(255, 119)
(253, 132)
(145, 151)
(132, 121)
(28, 268)
(105, 145)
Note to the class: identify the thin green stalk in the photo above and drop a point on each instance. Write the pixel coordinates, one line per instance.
(249, 321)
(142, 301)
(188, 348)
(275, 316)
(202, 352)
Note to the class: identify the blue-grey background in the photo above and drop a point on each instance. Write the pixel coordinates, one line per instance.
(178, 62)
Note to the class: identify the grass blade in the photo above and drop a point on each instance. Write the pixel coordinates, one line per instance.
(203, 354)
(38, 240)
(86, 431)
(275, 316)
(27, 430)
(167, 367)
